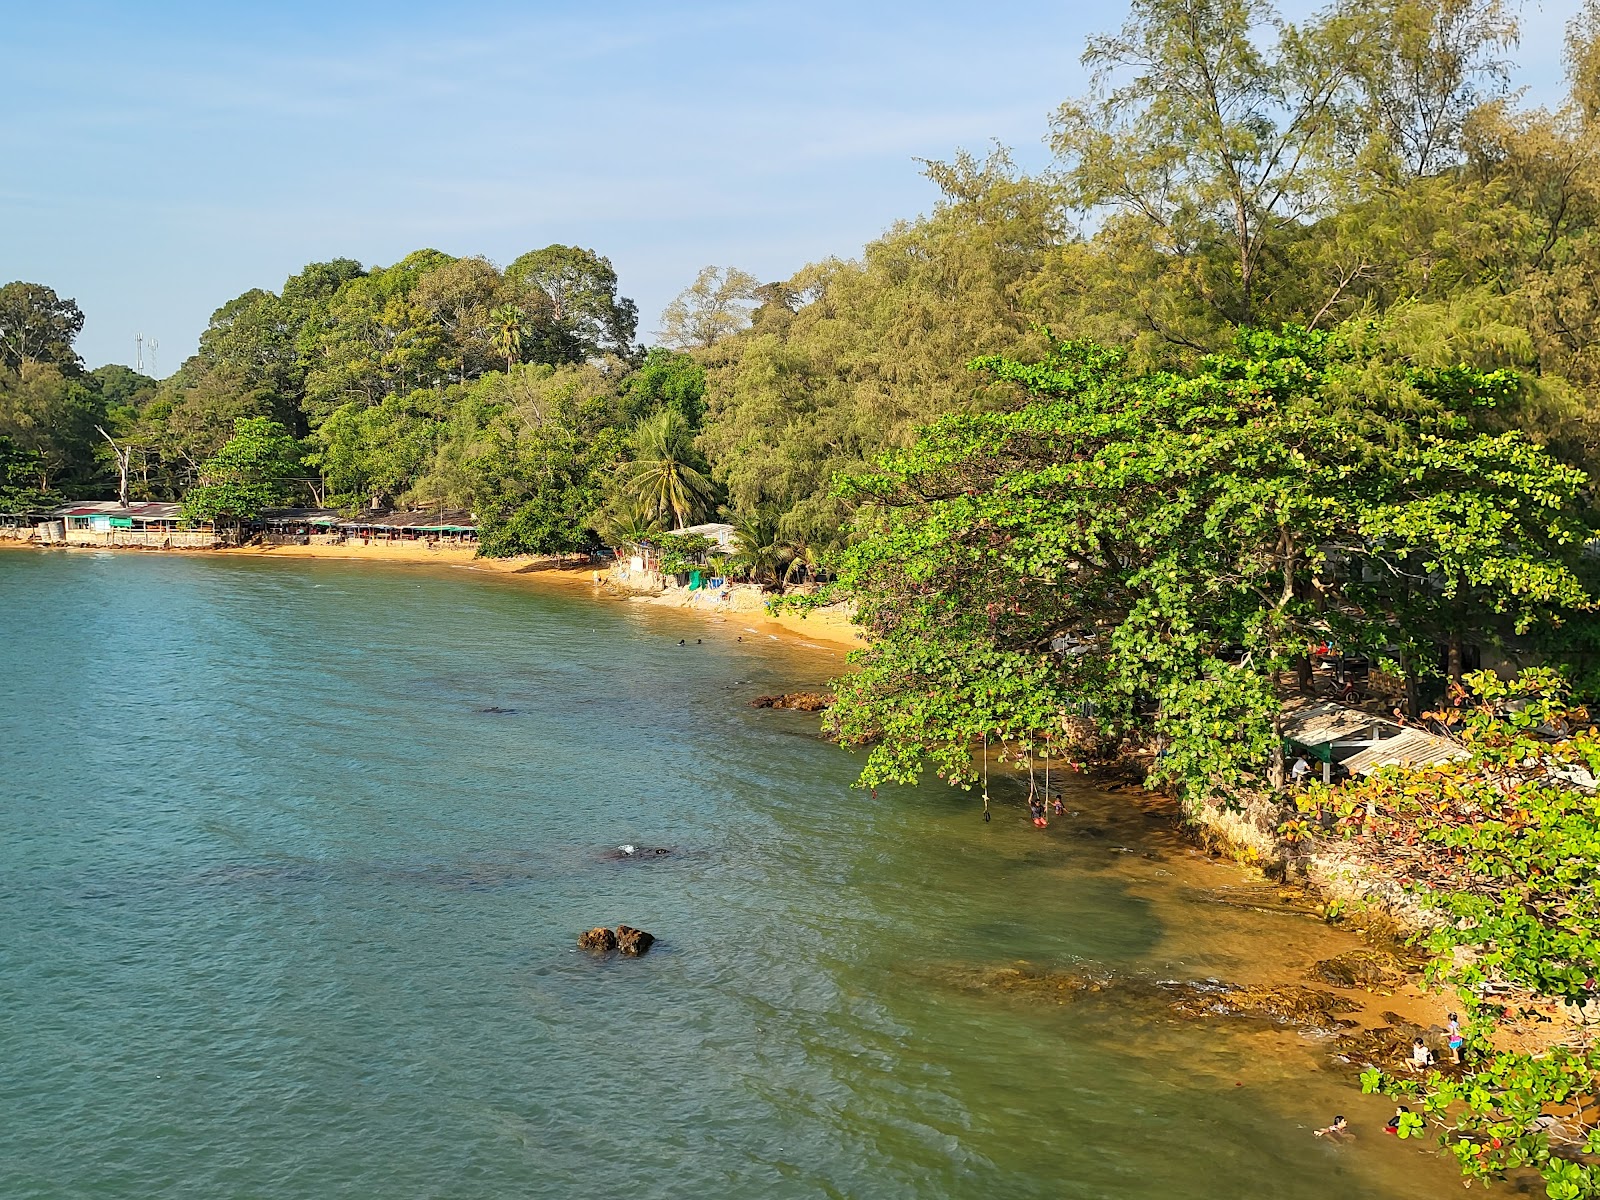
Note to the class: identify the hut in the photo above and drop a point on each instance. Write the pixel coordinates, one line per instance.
(106, 523)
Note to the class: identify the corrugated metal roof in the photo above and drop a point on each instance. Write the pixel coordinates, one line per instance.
(1408, 748)
(1328, 721)
(457, 520)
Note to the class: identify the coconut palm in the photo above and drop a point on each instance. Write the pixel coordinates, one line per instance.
(763, 552)
(626, 523)
(665, 476)
(509, 321)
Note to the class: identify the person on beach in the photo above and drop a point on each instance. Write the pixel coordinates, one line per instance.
(1393, 1123)
(1339, 1129)
(1455, 1038)
(1421, 1057)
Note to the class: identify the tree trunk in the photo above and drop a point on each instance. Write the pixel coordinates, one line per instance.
(1302, 673)
(1453, 656)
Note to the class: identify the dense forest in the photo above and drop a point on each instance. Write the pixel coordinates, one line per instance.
(1227, 170)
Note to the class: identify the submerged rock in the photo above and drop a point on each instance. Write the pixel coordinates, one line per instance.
(634, 941)
(1371, 970)
(1290, 1004)
(599, 939)
(798, 701)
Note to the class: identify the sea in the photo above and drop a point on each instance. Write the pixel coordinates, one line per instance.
(294, 856)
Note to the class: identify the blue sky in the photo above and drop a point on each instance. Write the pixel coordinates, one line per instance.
(162, 158)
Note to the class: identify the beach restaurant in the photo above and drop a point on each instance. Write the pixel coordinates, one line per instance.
(325, 526)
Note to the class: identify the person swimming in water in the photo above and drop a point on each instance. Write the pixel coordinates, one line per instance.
(1340, 1128)
(1392, 1125)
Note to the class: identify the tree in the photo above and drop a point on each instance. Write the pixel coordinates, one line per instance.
(762, 552)
(1201, 136)
(38, 326)
(666, 474)
(666, 379)
(509, 322)
(570, 296)
(20, 474)
(53, 413)
(253, 470)
(460, 297)
(1423, 67)
(1157, 548)
(718, 303)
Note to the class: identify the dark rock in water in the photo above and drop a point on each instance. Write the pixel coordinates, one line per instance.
(1372, 970)
(495, 708)
(798, 701)
(599, 938)
(634, 941)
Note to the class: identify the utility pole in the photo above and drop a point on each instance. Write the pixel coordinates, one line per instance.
(138, 353)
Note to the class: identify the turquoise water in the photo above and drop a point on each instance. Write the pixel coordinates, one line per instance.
(285, 913)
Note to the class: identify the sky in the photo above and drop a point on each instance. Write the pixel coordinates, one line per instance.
(161, 159)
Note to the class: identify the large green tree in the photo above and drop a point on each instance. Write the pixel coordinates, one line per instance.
(254, 469)
(38, 326)
(1158, 548)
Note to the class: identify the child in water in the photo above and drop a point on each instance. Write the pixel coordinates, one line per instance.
(1393, 1123)
(1036, 808)
(1455, 1037)
(1337, 1130)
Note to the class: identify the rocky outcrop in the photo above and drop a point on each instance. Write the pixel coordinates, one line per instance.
(630, 941)
(798, 701)
(1371, 970)
(633, 941)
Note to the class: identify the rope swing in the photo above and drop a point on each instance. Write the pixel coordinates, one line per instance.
(986, 776)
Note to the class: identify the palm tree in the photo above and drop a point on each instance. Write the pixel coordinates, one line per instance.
(762, 549)
(624, 523)
(508, 325)
(665, 475)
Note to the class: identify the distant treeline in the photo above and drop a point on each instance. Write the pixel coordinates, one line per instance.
(1226, 170)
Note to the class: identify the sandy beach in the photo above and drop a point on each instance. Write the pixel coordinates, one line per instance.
(745, 603)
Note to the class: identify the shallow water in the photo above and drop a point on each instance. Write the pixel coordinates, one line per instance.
(284, 913)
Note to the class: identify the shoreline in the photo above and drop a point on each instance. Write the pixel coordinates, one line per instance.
(829, 626)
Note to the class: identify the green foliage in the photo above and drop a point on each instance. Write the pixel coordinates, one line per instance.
(666, 475)
(253, 470)
(1507, 849)
(38, 327)
(1156, 548)
(683, 552)
(21, 471)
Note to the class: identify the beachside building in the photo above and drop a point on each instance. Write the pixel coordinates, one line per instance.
(448, 527)
(327, 527)
(151, 525)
